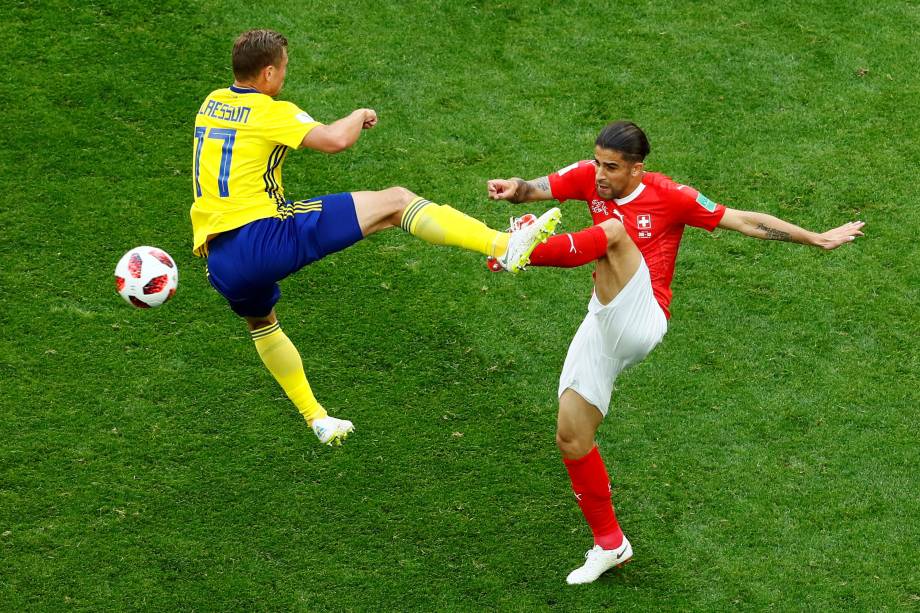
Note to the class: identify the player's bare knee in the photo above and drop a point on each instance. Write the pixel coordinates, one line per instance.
(615, 231)
(571, 445)
(396, 200)
(255, 323)
(399, 196)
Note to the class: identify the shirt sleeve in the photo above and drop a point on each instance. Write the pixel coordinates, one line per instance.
(696, 209)
(287, 124)
(572, 182)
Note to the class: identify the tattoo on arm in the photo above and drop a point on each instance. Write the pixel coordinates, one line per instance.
(772, 234)
(525, 189)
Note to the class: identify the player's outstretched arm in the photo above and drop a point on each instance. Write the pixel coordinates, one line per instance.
(519, 190)
(340, 134)
(768, 227)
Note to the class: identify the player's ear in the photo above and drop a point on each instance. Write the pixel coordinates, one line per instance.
(637, 169)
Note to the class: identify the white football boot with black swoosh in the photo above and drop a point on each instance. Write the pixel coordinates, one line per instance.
(598, 561)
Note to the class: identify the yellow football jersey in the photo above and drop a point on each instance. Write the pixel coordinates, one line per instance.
(241, 139)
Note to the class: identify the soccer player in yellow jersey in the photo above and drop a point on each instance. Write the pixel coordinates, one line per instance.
(253, 236)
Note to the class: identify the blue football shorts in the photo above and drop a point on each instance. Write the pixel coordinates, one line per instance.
(245, 264)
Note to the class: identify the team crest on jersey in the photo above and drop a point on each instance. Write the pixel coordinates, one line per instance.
(705, 202)
(599, 206)
(644, 224)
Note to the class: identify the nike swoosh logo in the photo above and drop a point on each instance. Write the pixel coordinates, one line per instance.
(621, 554)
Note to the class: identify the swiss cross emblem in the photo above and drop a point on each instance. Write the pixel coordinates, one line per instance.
(644, 225)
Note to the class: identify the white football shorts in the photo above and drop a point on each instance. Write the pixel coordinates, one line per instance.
(612, 338)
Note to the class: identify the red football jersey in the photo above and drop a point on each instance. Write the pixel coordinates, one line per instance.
(654, 216)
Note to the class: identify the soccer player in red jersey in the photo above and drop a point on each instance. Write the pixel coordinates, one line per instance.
(639, 219)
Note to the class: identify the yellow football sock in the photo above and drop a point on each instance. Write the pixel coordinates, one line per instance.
(440, 224)
(283, 361)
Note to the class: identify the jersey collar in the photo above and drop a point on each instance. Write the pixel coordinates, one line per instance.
(635, 194)
(243, 90)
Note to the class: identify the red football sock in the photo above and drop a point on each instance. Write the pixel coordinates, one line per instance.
(592, 489)
(571, 249)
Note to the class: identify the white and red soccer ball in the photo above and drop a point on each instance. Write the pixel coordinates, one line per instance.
(146, 277)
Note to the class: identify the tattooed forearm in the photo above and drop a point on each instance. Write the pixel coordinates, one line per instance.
(526, 189)
(772, 234)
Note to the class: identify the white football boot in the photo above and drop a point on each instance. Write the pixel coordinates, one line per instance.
(526, 238)
(514, 224)
(332, 431)
(598, 561)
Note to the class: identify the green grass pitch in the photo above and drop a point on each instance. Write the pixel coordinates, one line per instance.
(764, 457)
